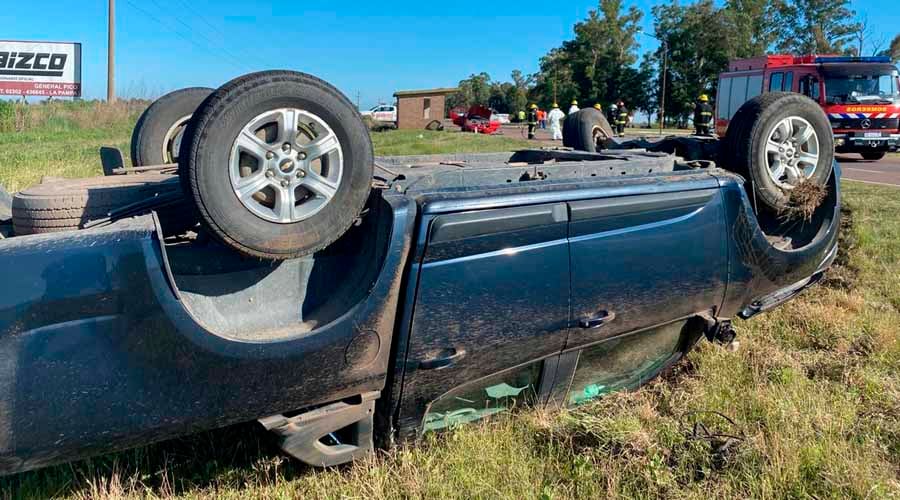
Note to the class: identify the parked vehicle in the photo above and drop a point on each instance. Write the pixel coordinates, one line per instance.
(462, 285)
(860, 95)
(386, 113)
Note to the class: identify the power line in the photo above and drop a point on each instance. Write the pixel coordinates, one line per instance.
(198, 15)
(244, 56)
(191, 29)
(174, 30)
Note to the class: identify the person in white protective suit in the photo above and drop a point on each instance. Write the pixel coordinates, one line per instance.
(574, 107)
(555, 118)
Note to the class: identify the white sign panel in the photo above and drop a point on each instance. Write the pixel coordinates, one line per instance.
(40, 69)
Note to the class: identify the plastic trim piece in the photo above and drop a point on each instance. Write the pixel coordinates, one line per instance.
(301, 436)
(467, 225)
(607, 207)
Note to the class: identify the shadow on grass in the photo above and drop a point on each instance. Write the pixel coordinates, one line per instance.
(238, 456)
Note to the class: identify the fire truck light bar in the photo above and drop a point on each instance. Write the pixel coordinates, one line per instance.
(847, 59)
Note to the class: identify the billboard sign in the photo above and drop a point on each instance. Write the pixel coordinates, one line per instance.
(40, 69)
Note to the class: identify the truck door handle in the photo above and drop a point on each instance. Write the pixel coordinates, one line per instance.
(443, 360)
(601, 319)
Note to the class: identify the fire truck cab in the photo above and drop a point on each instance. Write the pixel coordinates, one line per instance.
(860, 95)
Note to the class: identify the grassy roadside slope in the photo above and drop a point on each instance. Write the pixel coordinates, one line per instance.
(814, 391)
(65, 150)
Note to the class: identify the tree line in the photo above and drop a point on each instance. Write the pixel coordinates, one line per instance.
(601, 63)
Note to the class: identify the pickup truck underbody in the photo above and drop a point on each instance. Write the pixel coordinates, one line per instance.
(462, 269)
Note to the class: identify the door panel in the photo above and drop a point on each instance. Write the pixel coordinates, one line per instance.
(493, 294)
(640, 261)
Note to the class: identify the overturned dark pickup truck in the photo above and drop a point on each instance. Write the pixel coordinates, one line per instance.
(258, 263)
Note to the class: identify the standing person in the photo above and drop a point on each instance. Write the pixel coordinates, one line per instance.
(613, 114)
(555, 118)
(574, 107)
(598, 107)
(532, 120)
(621, 118)
(702, 115)
(542, 119)
(521, 115)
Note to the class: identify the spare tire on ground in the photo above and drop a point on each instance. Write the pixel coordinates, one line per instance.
(585, 129)
(69, 204)
(157, 136)
(780, 141)
(279, 164)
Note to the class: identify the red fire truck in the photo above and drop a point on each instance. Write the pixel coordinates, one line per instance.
(860, 95)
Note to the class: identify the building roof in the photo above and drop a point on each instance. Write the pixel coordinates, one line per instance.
(426, 92)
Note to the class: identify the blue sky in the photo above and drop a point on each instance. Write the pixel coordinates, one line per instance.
(370, 48)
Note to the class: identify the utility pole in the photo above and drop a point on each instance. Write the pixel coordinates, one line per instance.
(111, 54)
(358, 94)
(662, 107)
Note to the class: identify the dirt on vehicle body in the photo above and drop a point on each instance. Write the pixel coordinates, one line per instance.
(463, 285)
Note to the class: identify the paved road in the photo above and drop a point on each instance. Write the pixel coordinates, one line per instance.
(885, 171)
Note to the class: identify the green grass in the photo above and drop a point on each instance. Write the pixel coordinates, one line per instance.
(68, 151)
(814, 390)
(415, 142)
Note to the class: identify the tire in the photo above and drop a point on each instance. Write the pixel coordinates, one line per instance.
(434, 126)
(212, 164)
(755, 123)
(68, 204)
(872, 155)
(159, 131)
(581, 130)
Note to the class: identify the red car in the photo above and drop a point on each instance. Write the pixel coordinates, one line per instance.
(476, 119)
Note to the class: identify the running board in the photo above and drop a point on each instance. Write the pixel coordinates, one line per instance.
(314, 438)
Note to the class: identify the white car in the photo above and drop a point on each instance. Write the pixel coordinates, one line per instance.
(382, 113)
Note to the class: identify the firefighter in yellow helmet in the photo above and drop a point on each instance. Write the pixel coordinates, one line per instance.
(703, 113)
(532, 120)
(598, 107)
(621, 118)
(574, 107)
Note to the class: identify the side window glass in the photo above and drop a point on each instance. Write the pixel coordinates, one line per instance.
(738, 94)
(809, 86)
(484, 398)
(754, 87)
(723, 98)
(788, 85)
(624, 362)
(775, 82)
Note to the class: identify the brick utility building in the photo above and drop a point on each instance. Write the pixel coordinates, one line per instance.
(416, 108)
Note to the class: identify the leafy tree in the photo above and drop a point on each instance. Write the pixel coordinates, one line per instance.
(699, 47)
(753, 24)
(473, 90)
(503, 97)
(816, 26)
(556, 81)
(597, 66)
(894, 51)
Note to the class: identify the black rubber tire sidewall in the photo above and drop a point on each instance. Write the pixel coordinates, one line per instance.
(151, 128)
(579, 130)
(570, 131)
(748, 132)
(873, 155)
(212, 133)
